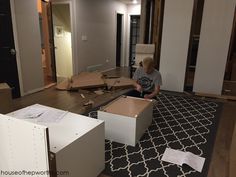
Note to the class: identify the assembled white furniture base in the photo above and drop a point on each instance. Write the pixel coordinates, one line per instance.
(76, 144)
(126, 119)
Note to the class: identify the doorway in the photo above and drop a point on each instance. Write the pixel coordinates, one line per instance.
(8, 63)
(47, 43)
(119, 27)
(134, 37)
(229, 86)
(193, 44)
(61, 14)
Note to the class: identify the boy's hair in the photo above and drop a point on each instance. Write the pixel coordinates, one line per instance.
(148, 62)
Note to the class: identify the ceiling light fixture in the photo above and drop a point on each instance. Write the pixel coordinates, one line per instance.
(135, 2)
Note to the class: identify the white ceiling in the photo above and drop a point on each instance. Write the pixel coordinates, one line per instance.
(130, 1)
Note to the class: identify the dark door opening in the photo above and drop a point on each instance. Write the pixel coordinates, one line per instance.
(229, 86)
(47, 43)
(193, 44)
(8, 63)
(134, 37)
(119, 40)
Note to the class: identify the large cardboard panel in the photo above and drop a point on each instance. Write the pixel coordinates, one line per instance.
(87, 80)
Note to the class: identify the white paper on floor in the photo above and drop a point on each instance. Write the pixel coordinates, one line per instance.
(179, 158)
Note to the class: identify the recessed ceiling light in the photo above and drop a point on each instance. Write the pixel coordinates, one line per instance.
(135, 2)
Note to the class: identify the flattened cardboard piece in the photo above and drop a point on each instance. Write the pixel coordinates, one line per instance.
(233, 155)
(87, 80)
(119, 82)
(127, 106)
(6, 98)
(64, 85)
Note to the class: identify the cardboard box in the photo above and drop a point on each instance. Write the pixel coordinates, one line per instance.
(5, 98)
(126, 119)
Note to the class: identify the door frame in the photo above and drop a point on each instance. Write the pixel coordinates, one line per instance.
(128, 36)
(15, 35)
(122, 58)
(73, 34)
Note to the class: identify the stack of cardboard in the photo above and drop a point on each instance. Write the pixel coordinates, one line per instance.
(121, 82)
(5, 99)
(86, 80)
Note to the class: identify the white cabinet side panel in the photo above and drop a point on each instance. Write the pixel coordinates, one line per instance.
(175, 43)
(143, 122)
(214, 43)
(85, 157)
(119, 128)
(23, 147)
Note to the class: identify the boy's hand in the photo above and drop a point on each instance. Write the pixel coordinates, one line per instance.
(147, 97)
(139, 88)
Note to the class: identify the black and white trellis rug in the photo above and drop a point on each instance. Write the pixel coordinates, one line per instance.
(182, 123)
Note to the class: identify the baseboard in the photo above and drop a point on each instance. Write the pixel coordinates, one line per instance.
(33, 91)
(225, 97)
(106, 70)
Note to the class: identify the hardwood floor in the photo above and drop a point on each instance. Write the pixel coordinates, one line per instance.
(72, 101)
(220, 160)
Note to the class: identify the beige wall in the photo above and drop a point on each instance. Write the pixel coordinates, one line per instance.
(29, 42)
(175, 43)
(214, 46)
(97, 21)
(94, 19)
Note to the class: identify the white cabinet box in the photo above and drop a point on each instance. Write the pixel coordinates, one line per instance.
(76, 144)
(126, 119)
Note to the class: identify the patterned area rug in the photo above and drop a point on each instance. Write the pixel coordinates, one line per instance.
(182, 123)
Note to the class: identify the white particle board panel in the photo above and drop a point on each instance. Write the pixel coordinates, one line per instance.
(214, 42)
(77, 143)
(84, 157)
(175, 43)
(126, 119)
(73, 126)
(24, 146)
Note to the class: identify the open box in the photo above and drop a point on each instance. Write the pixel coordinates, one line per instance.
(126, 119)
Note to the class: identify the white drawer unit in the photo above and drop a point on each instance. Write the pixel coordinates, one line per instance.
(126, 119)
(76, 144)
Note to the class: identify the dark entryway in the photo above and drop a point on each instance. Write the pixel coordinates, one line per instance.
(193, 44)
(134, 37)
(229, 86)
(119, 39)
(8, 63)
